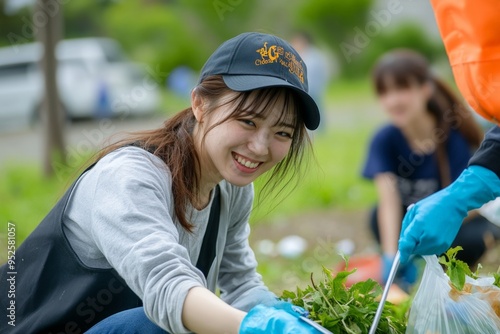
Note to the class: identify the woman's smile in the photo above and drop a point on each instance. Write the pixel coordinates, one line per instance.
(245, 164)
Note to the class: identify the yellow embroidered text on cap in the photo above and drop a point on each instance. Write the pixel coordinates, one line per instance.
(272, 54)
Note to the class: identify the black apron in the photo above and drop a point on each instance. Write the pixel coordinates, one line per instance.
(56, 293)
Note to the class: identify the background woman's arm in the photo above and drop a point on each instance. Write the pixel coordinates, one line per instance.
(389, 212)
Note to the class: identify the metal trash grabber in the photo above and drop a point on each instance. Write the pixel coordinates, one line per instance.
(390, 279)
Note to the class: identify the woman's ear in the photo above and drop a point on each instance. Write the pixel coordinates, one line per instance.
(197, 105)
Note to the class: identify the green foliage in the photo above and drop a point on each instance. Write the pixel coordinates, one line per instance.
(27, 196)
(85, 18)
(219, 15)
(496, 276)
(343, 309)
(456, 269)
(15, 28)
(412, 36)
(163, 39)
(333, 21)
(166, 34)
(409, 35)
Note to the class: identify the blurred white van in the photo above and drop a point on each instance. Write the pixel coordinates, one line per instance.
(94, 80)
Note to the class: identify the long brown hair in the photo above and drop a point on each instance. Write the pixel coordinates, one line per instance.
(405, 67)
(173, 142)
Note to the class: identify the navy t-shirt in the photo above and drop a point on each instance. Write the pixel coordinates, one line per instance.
(417, 174)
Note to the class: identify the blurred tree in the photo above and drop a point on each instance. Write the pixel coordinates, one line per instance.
(158, 35)
(16, 26)
(85, 18)
(409, 35)
(42, 20)
(169, 33)
(81, 18)
(359, 34)
(332, 21)
(182, 32)
(52, 116)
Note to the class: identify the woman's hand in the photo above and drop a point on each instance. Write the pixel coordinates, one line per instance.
(433, 223)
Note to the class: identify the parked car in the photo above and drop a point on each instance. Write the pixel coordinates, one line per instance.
(93, 76)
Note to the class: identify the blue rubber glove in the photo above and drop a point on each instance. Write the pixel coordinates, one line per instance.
(281, 318)
(432, 224)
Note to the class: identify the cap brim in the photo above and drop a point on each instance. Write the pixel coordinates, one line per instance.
(243, 83)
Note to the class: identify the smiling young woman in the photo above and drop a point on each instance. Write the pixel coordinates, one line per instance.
(146, 235)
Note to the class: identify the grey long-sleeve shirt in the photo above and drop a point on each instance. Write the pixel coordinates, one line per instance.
(121, 215)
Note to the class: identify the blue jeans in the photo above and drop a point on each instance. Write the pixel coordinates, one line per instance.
(133, 321)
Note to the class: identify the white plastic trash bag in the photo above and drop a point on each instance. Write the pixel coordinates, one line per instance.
(491, 211)
(439, 309)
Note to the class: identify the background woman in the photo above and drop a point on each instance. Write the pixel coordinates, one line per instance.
(425, 147)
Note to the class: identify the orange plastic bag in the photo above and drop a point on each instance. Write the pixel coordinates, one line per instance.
(470, 30)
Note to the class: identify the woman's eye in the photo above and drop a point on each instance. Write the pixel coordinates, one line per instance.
(247, 122)
(284, 134)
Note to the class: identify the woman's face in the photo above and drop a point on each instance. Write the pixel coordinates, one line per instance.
(240, 150)
(404, 104)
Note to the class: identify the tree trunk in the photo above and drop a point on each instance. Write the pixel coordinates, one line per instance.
(52, 117)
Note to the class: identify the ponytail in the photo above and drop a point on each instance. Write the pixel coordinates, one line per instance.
(451, 114)
(173, 143)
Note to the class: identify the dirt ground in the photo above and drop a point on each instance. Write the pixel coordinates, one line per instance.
(325, 228)
(325, 225)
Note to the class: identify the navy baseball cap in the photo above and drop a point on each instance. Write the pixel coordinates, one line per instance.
(254, 60)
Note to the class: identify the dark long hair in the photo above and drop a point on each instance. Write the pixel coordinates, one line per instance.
(173, 142)
(406, 67)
